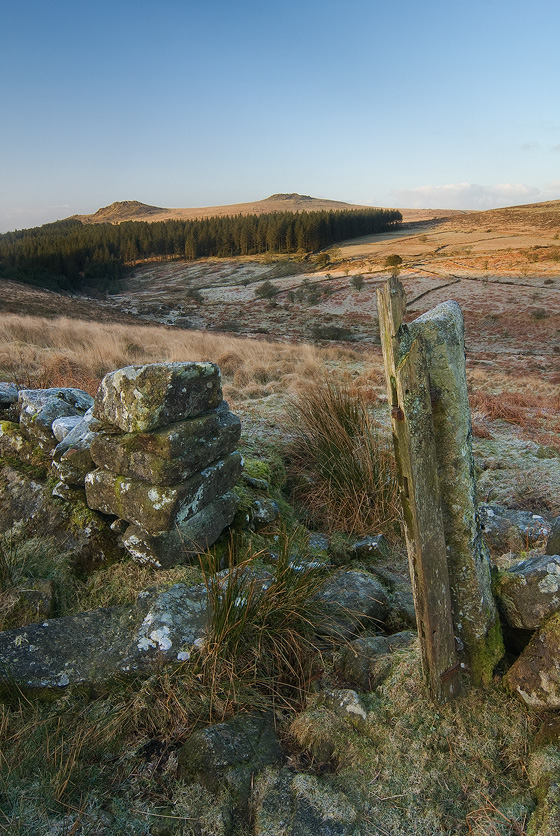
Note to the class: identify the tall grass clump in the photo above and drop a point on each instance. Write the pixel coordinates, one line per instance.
(261, 646)
(343, 468)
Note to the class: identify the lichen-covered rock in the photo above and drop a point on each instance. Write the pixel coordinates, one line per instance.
(142, 398)
(186, 540)
(543, 769)
(371, 548)
(16, 445)
(529, 592)
(169, 454)
(367, 662)
(40, 407)
(475, 618)
(299, 804)
(30, 510)
(553, 542)
(263, 511)
(231, 754)
(157, 508)
(353, 601)
(102, 645)
(535, 675)
(505, 529)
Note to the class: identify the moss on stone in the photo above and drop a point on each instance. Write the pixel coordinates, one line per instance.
(485, 653)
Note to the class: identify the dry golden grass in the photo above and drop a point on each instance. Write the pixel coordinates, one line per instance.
(535, 413)
(40, 352)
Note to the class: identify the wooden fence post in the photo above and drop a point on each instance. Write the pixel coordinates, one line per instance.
(413, 436)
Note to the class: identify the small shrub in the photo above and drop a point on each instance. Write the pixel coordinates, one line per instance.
(266, 290)
(539, 313)
(330, 332)
(194, 294)
(393, 260)
(322, 260)
(357, 281)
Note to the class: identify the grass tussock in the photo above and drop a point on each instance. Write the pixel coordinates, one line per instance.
(262, 631)
(37, 352)
(348, 482)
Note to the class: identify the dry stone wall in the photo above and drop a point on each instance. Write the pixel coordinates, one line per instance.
(156, 449)
(166, 458)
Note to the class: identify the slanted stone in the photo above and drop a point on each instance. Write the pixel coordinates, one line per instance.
(102, 645)
(186, 540)
(353, 601)
(170, 454)
(535, 675)
(142, 398)
(507, 529)
(62, 426)
(367, 662)
(71, 457)
(298, 804)
(475, 616)
(529, 591)
(157, 508)
(553, 542)
(40, 407)
(230, 755)
(8, 395)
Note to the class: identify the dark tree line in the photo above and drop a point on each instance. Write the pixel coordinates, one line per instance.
(72, 256)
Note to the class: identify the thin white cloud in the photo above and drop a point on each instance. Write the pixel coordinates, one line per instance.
(474, 196)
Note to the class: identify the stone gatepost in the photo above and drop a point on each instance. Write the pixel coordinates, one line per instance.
(450, 570)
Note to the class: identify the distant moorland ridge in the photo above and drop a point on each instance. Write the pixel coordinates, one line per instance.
(133, 210)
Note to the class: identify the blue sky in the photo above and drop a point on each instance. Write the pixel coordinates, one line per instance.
(179, 103)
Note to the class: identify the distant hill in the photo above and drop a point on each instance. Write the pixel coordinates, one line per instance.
(133, 210)
(528, 217)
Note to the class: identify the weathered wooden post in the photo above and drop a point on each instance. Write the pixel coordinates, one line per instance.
(414, 442)
(426, 376)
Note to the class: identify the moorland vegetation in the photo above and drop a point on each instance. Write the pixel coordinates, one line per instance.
(311, 415)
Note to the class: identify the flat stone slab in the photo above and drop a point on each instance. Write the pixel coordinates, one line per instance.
(529, 592)
(170, 454)
(142, 398)
(501, 526)
(99, 646)
(185, 541)
(158, 508)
